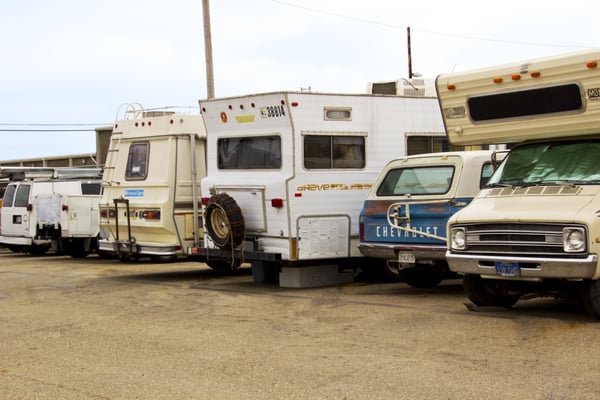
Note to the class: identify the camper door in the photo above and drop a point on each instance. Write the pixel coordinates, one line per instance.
(16, 217)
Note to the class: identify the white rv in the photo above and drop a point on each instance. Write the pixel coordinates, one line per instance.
(535, 228)
(150, 204)
(46, 208)
(287, 174)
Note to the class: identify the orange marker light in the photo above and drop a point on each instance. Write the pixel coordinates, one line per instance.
(451, 86)
(535, 74)
(515, 77)
(498, 80)
(591, 64)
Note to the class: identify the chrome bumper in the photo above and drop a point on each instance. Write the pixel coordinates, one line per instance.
(390, 252)
(531, 267)
(125, 247)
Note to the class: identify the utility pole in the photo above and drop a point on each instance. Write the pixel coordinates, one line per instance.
(410, 73)
(210, 78)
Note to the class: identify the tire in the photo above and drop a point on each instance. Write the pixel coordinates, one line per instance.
(16, 249)
(490, 292)
(75, 248)
(224, 265)
(590, 297)
(224, 222)
(38, 249)
(163, 259)
(422, 279)
(379, 268)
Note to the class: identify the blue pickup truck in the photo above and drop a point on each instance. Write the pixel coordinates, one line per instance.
(403, 220)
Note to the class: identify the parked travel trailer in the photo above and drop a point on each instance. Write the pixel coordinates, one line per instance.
(535, 227)
(287, 174)
(51, 208)
(403, 220)
(151, 185)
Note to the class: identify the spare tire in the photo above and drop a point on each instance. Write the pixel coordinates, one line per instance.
(224, 221)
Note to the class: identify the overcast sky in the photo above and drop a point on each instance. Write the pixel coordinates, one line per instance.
(71, 64)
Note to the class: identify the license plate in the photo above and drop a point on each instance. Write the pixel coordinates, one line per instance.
(406, 258)
(510, 270)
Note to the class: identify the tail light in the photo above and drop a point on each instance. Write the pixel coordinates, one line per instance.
(108, 213)
(150, 214)
(277, 203)
(361, 229)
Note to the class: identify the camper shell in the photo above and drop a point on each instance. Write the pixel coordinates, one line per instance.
(535, 227)
(51, 208)
(287, 173)
(403, 219)
(150, 203)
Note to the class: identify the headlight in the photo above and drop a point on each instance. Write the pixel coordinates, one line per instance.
(457, 241)
(573, 239)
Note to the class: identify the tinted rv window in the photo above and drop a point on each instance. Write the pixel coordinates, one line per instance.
(428, 144)
(9, 195)
(22, 197)
(327, 152)
(418, 180)
(539, 101)
(260, 152)
(91, 188)
(137, 161)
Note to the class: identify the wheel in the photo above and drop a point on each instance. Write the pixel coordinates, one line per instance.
(421, 279)
(590, 297)
(225, 222)
(381, 269)
(16, 249)
(128, 257)
(163, 259)
(38, 249)
(490, 292)
(223, 265)
(75, 248)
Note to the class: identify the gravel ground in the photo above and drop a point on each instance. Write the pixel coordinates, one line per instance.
(100, 329)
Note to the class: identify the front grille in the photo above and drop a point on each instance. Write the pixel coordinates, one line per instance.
(517, 239)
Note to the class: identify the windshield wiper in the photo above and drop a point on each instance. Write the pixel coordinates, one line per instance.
(497, 184)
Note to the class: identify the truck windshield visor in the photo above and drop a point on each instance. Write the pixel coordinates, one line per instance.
(568, 162)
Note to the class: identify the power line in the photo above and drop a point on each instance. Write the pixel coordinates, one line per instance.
(48, 127)
(427, 31)
(47, 124)
(47, 130)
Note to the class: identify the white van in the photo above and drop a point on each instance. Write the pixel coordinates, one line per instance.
(51, 208)
(535, 228)
(403, 219)
(287, 174)
(150, 204)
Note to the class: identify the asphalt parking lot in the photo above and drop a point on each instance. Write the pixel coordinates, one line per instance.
(100, 329)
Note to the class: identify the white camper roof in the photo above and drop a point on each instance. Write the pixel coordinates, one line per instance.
(49, 173)
(538, 99)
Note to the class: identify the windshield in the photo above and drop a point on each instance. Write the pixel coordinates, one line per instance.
(550, 163)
